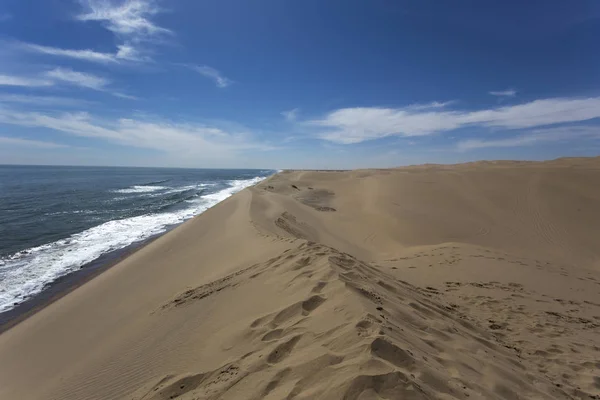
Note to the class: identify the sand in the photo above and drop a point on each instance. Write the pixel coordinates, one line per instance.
(478, 281)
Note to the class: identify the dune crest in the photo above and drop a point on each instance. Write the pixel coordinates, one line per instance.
(366, 334)
(430, 282)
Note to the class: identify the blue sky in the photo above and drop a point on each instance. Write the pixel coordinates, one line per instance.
(297, 84)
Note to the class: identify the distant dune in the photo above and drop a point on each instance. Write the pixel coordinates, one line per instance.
(471, 281)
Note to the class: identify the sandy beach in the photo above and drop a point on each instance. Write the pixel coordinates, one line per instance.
(470, 281)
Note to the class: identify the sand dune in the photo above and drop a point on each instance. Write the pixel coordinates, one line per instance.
(426, 282)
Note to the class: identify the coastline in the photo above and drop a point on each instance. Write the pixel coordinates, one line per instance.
(467, 281)
(67, 283)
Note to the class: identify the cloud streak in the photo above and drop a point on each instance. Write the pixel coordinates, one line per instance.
(62, 76)
(124, 53)
(86, 55)
(30, 143)
(131, 19)
(11, 80)
(355, 125)
(46, 101)
(191, 141)
(431, 106)
(291, 115)
(537, 136)
(209, 72)
(77, 78)
(504, 93)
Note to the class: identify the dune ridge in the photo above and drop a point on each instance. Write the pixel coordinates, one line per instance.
(426, 282)
(357, 333)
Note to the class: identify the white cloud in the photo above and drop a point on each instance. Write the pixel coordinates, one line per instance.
(131, 21)
(124, 96)
(290, 115)
(536, 113)
(49, 101)
(211, 73)
(84, 80)
(59, 76)
(125, 52)
(5, 17)
(189, 141)
(74, 123)
(130, 18)
(30, 143)
(355, 125)
(535, 137)
(472, 144)
(86, 55)
(504, 93)
(429, 106)
(11, 80)
(77, 78)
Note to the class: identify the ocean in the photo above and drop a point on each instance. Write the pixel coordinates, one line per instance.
(56, 220)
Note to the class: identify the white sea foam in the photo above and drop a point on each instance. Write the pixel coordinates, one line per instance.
(140, 189)
(26, 273)
(188, 187)
(72, 212)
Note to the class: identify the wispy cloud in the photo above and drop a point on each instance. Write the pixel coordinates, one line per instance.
(291, 115)
(5, 17)
(431, 106)
(11, 80)
(523, 140)
(87, 55)
(131, 19)
(536, 136)
(211, 73)
(192, 141)
(46, 101)
(84, 80)
(127, 52)
(355, 125)
(30, 143)
(59, 76)
(124, 96)
(124, 53)
(63, 76)
(77, 78)
(504, 93)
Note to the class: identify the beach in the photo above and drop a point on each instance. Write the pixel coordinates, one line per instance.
(478, 281)
(61, 225)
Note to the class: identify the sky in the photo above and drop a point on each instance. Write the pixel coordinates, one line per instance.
(297, 84)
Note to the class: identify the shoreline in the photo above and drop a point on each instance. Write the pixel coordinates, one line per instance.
(462, 282)
(64, 285)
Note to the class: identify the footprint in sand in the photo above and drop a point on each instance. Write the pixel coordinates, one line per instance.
(283, 350)
(272, 335)
(302, 308)
(319, 287)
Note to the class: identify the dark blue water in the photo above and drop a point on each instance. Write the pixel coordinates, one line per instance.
(55, 220)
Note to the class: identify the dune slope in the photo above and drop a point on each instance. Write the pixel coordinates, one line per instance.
(432, 282)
